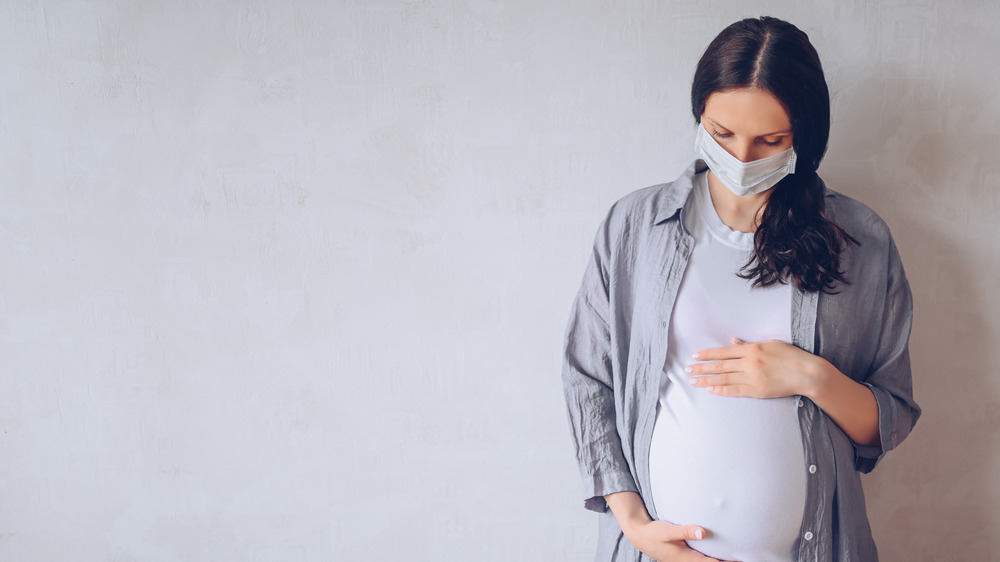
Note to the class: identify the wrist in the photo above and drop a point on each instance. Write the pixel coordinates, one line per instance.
(632, 525)
(816, 379)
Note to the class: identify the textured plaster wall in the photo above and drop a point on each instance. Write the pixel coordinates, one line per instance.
(287, 281)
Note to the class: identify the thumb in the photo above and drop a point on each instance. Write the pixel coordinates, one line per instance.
(687, 533)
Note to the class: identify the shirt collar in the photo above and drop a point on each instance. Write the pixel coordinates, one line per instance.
(675, 197)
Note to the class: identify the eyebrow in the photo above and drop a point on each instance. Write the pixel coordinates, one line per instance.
(721, 126)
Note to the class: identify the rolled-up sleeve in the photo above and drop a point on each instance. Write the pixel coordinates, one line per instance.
(890, 380)
(588, 382)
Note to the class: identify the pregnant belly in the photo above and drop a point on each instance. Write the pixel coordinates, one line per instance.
(734, 466)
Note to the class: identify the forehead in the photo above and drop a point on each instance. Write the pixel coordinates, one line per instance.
(748, 111)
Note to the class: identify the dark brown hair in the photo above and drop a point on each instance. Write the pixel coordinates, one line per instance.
(795, 242)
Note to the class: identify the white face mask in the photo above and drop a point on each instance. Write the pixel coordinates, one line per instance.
(743, 178)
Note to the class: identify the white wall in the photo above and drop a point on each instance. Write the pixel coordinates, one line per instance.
(287, 281)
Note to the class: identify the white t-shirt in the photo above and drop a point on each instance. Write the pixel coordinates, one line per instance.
(732, 465)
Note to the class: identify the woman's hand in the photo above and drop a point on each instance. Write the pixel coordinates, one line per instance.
(769, 369)
(773, 369)
(664, 542)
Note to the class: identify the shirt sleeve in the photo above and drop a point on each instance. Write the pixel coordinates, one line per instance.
(890, 381)
(588, 383)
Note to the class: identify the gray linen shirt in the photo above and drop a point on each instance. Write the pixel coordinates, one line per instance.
(616, 344)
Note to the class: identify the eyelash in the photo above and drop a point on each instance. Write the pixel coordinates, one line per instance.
(719, 135)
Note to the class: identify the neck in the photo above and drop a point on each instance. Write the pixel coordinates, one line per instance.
(738, 213)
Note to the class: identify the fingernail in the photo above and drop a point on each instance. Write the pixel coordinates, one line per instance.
(699, 534)
(710, 388)
(695, 381)
(689, 369)
(696, 355)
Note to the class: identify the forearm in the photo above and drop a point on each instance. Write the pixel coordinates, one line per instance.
(628, 509)
(851, 405)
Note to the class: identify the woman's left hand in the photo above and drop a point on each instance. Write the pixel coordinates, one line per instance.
(768, 369)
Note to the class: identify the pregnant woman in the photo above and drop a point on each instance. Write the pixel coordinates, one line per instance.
(737, 353)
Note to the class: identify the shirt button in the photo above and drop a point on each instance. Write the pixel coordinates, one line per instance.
(808, 536)
(801, 403)
(812, 469)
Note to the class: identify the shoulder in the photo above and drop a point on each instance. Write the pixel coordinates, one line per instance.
(858, 219)
(646, 207)
(875, 242)
(638, 207)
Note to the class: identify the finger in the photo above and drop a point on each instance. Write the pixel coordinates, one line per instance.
(714, 367)
(685, 533)
(709, 382)
(732, 390)
(738, 341)
(692, 555)
(731, 352)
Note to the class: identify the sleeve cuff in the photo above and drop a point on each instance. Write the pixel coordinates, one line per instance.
(596, 486)
(866, 457)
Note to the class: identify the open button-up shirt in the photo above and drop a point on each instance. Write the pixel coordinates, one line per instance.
(616, 344)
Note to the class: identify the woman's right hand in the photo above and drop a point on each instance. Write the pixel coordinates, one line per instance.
(664, 542)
